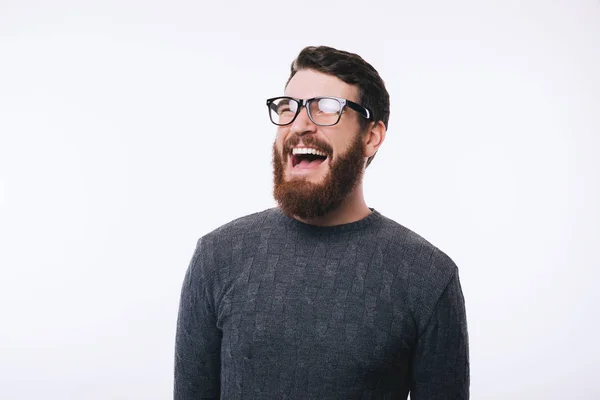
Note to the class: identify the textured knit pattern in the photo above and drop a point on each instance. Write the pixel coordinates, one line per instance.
(272, 308)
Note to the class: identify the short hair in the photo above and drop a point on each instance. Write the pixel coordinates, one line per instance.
(352, 69)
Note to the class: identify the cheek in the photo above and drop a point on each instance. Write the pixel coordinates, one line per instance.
(341, 144)
(280, 137)
(345, 136)
(278, 143)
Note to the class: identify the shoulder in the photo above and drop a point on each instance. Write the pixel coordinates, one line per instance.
(428, 268)
(217, 247)
(238, 231)
(251, 222)
(398, 234)
(411, 247)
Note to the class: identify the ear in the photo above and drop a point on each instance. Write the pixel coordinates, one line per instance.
(374, 138)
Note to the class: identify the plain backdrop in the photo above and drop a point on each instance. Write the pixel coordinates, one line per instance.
(130, 129)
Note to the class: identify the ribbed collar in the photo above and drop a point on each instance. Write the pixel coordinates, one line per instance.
(352, 226)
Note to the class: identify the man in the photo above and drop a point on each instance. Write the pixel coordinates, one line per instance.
(322, 297)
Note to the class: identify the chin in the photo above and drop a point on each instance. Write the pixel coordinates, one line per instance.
(315, 176)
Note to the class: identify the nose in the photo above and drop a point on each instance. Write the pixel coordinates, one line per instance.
(303, 125)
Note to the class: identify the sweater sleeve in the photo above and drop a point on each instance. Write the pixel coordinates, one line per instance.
(441, 358)
(197, 340)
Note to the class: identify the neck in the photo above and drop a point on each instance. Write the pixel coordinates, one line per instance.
(353, 208)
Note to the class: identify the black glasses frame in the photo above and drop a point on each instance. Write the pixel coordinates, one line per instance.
(365, 112)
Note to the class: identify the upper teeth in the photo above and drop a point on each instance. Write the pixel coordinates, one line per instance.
(306, 150)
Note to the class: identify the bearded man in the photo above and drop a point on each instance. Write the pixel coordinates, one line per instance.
(322, 297)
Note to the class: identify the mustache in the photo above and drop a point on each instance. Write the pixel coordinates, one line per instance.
(310, 141)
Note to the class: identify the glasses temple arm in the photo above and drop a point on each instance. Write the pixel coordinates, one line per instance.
(360, 109)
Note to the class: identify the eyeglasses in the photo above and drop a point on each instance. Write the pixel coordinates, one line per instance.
(323, 111)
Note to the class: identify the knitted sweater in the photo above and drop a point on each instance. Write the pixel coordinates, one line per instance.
(273, 308)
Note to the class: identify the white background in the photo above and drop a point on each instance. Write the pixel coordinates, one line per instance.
(129, 129)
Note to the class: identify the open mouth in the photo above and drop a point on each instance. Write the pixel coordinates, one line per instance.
(303, 158)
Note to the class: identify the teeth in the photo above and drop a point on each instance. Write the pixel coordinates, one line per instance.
(306, 150)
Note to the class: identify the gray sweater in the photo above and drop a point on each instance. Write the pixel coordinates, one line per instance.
(272, 308)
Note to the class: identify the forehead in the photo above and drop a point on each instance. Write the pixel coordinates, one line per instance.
(308, 83)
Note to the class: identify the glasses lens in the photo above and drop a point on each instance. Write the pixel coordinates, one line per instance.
(282, 110)
(325, 110)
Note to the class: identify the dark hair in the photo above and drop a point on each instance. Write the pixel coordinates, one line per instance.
(352, 69)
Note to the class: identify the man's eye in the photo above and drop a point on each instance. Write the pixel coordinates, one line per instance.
(329, 106)
(287, 107)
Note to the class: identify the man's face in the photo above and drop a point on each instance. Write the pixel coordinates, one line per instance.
(307, 186)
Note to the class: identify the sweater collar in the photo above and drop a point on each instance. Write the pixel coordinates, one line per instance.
(351, 226)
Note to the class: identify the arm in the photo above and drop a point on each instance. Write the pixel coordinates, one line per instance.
(198, 340)
(441, 358)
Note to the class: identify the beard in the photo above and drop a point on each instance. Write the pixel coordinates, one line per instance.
(304, 199)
